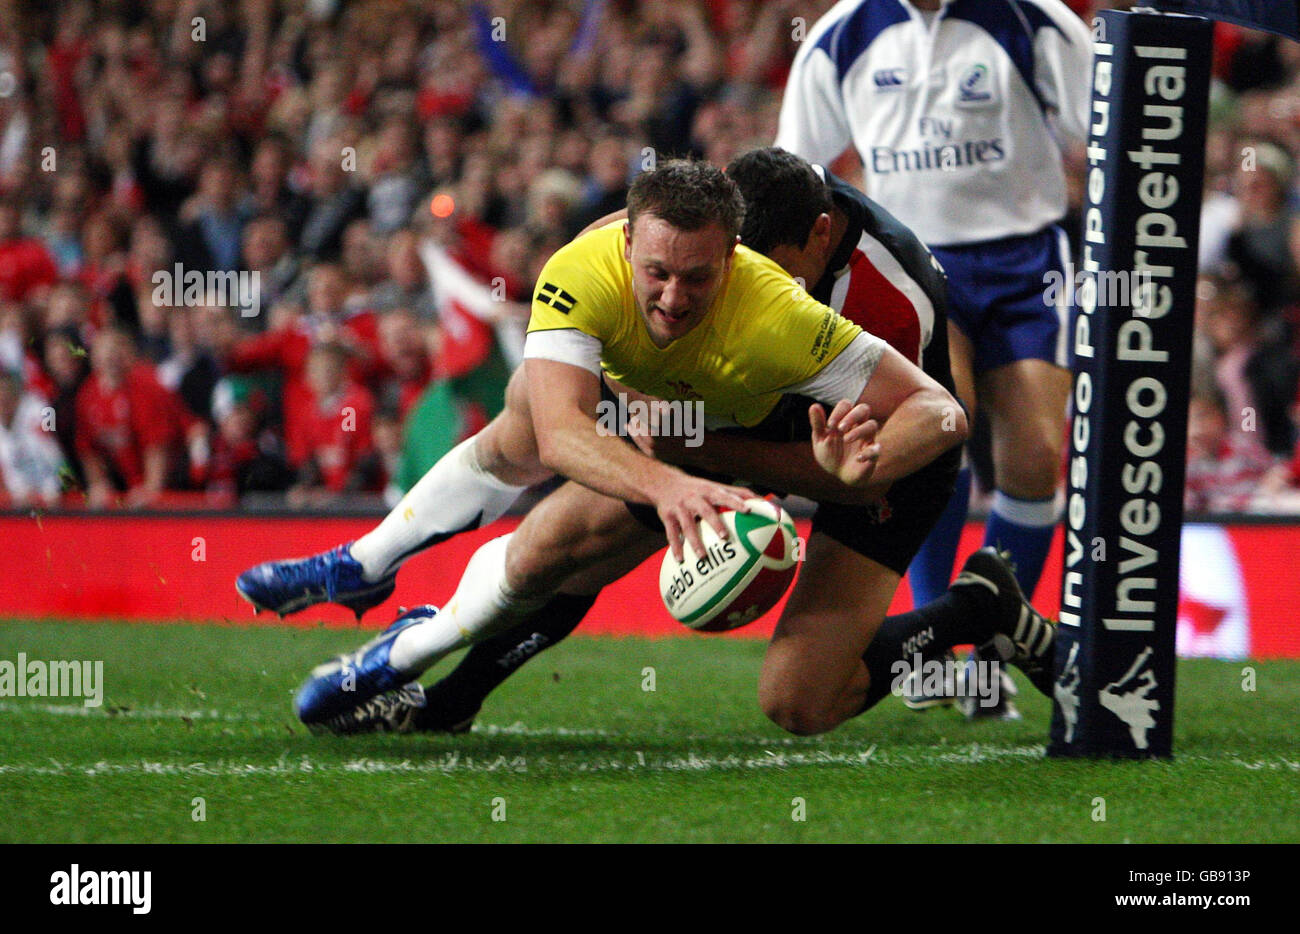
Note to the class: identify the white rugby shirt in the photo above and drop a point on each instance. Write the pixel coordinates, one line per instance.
(956, 118)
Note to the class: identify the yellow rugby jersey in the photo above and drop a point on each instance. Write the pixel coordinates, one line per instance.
(761, 336)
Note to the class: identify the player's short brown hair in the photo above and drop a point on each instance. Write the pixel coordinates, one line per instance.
(689, 195)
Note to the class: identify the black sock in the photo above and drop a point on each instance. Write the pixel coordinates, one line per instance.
(929, 631)
(458, 696)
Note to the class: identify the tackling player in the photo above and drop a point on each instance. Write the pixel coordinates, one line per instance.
(956, 108)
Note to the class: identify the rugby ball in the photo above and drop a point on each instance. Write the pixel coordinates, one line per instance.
(737, 580)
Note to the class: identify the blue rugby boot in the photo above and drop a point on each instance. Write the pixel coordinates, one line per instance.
(343, 684)
(333, 576)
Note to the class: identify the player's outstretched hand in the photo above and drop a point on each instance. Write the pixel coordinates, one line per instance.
(684, 501)
(845, 443)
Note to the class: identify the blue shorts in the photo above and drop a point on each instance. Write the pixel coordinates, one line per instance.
(997, 296)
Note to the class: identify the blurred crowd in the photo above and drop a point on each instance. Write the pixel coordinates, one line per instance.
(286, 246)
(1244, 419)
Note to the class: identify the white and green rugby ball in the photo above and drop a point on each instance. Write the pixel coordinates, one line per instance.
(737, 580)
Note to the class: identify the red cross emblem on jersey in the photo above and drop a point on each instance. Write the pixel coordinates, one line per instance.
(683, 389)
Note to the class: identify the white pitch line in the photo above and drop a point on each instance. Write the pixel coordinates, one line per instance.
(516, 728)
(454, 762)
(126, 713)
(520, 729)
(795, 752)
(451, 763)
(1266, 764)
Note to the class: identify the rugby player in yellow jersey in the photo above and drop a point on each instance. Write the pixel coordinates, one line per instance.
(671, 318)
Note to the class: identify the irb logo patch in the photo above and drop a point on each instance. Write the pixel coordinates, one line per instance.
(976, 87)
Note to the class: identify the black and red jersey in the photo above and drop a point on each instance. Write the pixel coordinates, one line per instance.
(882, 278)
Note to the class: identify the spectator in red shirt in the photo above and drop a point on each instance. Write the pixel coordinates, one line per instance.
(406, 363)
(333, 425)
(376, 469)
(130, 430)
(25, 263)
(241, 460)
(104, 270)
(1225, 468)
(293, 331)
(292, 334)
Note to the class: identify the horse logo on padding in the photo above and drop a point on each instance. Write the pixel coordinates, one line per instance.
(1128, 698)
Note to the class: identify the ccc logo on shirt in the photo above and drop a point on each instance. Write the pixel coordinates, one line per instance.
(890, 79)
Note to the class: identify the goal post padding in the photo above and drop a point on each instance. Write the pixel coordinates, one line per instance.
(1114, 688)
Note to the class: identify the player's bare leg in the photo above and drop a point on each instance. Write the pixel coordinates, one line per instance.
(814, 677)
(961, 362)
(835, 654)
(1025, 402)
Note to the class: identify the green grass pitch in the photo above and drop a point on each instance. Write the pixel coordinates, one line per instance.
(196, 722)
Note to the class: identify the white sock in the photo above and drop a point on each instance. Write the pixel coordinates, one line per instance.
(454, 495)
(482, 605)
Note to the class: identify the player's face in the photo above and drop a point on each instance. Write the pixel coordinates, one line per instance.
(676, 274)
(807, 262)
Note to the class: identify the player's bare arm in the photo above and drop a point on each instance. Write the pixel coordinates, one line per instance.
(860, 458)
(563, 400)
(919, 420)
(789, 466)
